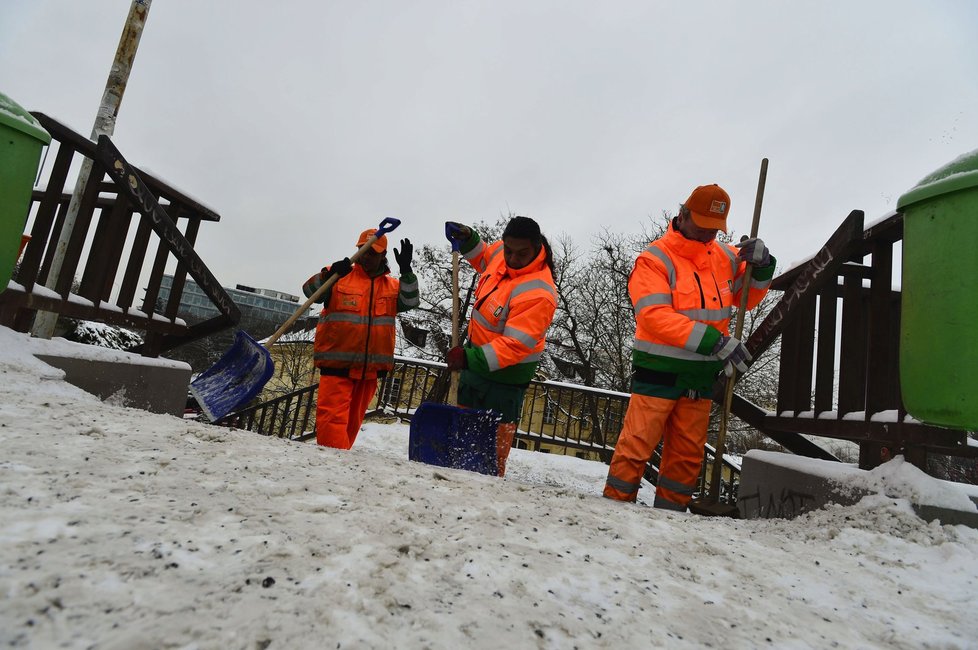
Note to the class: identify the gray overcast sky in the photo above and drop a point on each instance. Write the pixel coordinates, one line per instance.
(302, 123)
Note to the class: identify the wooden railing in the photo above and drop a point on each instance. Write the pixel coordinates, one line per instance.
(556, 418)
(839, 322)
(103, 267)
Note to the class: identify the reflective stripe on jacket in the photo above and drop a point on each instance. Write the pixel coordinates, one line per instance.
(356, 326)
(684, 292)
(512, 311)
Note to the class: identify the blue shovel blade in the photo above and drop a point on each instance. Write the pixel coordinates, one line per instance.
(449, 436)
(235, 379)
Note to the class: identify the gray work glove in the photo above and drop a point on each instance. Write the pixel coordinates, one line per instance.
(754, 252)
(733, 353)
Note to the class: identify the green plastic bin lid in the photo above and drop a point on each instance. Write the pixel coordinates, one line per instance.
(959, 174)
(12, 115)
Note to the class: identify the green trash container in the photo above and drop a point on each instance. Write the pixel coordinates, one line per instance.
(939, 319)
(21, 141)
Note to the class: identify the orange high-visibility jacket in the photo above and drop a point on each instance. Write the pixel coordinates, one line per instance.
(683, 292)
(356, 326)
(512, 311)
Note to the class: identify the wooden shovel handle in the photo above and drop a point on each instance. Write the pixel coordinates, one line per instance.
(386, 226)
(453, 376)
(738, 332)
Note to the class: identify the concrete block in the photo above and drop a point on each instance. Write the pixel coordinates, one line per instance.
(774, 485)
(770, 490)
(155, 385)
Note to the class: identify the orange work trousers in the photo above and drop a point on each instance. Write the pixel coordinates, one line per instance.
(505, 433)
(340, 408)
(681, 426)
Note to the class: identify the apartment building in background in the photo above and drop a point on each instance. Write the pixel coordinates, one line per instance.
(254, 303)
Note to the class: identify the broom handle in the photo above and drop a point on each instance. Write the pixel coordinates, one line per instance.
(387, 225)
(453, 376)
(738, 332)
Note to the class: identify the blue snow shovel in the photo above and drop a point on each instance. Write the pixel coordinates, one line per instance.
(449, 436)
(245, 369)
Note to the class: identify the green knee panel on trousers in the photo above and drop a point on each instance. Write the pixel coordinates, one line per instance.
(478, 392)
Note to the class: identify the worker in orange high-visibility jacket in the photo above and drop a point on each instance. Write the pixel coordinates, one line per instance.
(515, 301)
(683, 288)
(354, 342)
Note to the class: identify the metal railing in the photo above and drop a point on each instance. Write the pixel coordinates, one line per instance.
(557, 417)
(839, 305)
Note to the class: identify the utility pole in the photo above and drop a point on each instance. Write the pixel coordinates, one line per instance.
(108, 110)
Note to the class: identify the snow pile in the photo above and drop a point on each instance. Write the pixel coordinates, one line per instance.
(59, 347)
(896, 479)
(12, 111)
(22, 373)
(125, 529)
(899, 478)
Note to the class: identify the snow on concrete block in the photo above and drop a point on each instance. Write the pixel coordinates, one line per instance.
(120, 378)
(776, 485)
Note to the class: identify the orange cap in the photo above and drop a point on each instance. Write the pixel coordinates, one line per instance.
(380, 245)
(709, 205)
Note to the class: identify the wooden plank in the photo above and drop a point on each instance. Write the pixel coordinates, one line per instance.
(852, 354)
(810, 279)
(34, 302)
(880, 333)
(871, 454)
(788, 369)
(95, 266)
(889, 229)
(825, 354)
(105, 251)
(803, 325)
(152, 294)
(121, 218)
(890, 432)
(893, 353)
(44, 219)
(79, 233)
(59, 222)
(180, 275)
(786, 437)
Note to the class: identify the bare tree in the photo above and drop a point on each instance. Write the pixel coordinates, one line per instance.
(591, 337)
(294, 369)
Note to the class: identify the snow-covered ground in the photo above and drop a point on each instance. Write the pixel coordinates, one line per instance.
(123, 529)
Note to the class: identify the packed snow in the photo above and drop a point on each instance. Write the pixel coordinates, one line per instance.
(125, 529)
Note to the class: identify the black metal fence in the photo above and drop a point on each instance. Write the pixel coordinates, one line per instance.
(557, 417)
